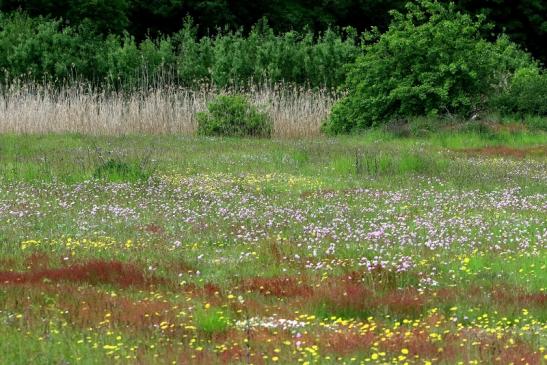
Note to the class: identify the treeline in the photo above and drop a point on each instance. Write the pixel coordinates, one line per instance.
(433, 60)
(525, 21)
(41, 49)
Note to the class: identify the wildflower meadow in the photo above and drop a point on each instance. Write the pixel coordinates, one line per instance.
(237, 251)
(287, 182)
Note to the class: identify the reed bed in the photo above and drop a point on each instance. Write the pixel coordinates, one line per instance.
(31, 108)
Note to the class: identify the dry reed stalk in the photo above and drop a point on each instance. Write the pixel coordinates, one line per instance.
(295, 112)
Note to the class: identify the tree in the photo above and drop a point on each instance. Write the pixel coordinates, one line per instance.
(432, 60)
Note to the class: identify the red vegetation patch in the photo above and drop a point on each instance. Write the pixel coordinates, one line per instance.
(446, 295)
(416, 341)
(505, 151)
(494, 350)
(140, 315)
(37, 261)
(404, 302)
(232, 355)
(344, 297)
(92, 272)
(87, 307)
(361, 292)
(519, 354)
(153, 228)
(347, 343)
(279, 287)
(500, 296)
(210, 292)
(515, 296)
(536, 299)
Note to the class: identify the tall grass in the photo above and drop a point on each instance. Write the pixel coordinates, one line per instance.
(33, 108)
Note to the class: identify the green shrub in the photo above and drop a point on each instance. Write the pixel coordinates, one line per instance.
(233, 115)
(526, 94)
(535, 122)
(431, 61)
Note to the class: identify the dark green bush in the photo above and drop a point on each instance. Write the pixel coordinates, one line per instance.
(233, 115)
(431, 61)
(525, 95)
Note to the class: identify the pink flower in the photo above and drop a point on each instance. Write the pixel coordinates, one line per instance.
(376, 234)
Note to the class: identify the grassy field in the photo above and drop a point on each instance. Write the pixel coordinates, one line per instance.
(185, 250)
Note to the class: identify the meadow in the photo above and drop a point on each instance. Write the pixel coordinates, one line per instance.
(173, 249)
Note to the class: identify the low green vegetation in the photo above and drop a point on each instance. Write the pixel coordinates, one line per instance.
(211, 320)
(377, 154)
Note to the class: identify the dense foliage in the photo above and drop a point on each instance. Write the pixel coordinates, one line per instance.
(524, 21)
(431, 61)
(434, 59)
(526, 94)
(234, 116)
(38, 48)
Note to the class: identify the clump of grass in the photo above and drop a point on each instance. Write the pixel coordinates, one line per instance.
(116, 170)
(211, 320)
(116, 167)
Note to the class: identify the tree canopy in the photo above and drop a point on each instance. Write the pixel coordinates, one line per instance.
(524, 21)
